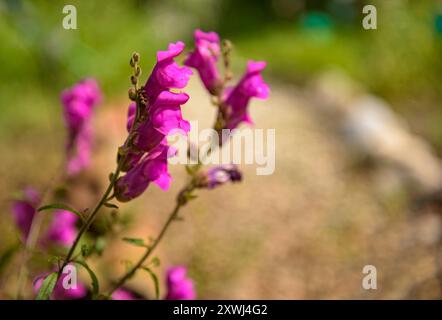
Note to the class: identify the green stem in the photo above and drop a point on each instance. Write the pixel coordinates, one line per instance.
(181, 201)
(91, 217)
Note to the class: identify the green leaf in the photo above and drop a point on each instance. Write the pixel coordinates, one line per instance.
(155, 281)
(111, 205)
(47, 287)
(63, 207)
(136, 242)
(100, 245)
(6, 256)
(95, 285)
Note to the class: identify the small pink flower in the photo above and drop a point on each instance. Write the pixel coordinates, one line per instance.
(179, 287)
(219, 175)
(167, 74)
(62, 230)
(152, 168)
(79, 102)
(146, 149)
(24, 211)
(237, 98)
(204, 59)
(123, 294)
(163, 118)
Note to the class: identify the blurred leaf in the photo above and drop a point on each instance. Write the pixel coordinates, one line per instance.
(47, 287)
(7, 255)
(155, 281)
(136, 242)
(100, 245)
(111, 205)
(62, 207)
(95, 285)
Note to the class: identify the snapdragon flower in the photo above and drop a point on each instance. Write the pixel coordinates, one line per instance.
(237, 98)
(219, 175)
(152, 168)
(204, 59)
(24, 211)
(124, 294)
(62, 230)
(79, 102)
(233, 101)
(179, 286)
(146, 149)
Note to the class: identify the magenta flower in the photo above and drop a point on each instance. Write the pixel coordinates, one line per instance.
(167, 74)
(62, 230)
(163, 118)
(204, 59)
(152, 168)
(237, 98)
(79, 102)
(123, 294)
(81, 150)
(146, 148)
(179, 287)
(79, 291)
(219, 175)
(24, 211)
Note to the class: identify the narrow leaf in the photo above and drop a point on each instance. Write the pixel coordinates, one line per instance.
(155, 282)
(47, 287)
(111, 205)
(62, 207)
(95, 285)
(6, 256)
(136, 242)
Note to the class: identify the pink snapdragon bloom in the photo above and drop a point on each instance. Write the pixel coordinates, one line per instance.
(123, 294)
(62, 230)
(163, 118)
(204, 59)
(24, 211)
(60, 293)
(179, 287)
(237, 98)
(81, 149)
(152, 168)
(167, 74)
(219, 175)
(147, 150)
(79, 102)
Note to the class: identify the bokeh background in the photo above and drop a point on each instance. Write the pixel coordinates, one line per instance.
(352, 186)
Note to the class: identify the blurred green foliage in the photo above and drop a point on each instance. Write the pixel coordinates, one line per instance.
(400, 61)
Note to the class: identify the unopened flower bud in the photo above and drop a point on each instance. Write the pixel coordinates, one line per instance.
(136, 57)
(132, 94)
(138, 71)
(220, 175)
(134, 80)
(227, 45)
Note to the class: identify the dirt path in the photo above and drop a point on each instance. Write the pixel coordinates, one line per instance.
(304, 232)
